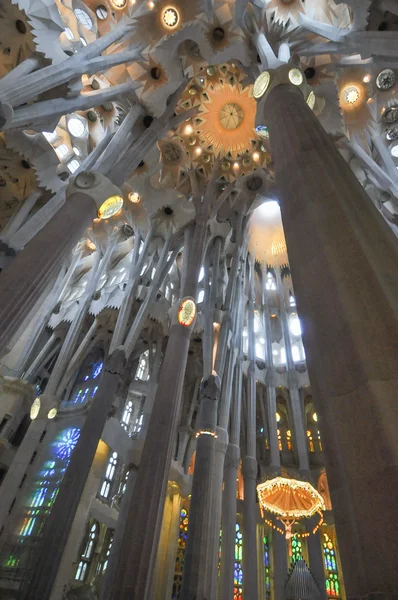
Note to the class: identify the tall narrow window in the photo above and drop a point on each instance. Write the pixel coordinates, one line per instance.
(142, 372)
(126, 417)
(87, 553)
(238, 573)
(267, 568)
(331, 570)
(105, 552)
(181, 545)
(109, 476)
(310, 441)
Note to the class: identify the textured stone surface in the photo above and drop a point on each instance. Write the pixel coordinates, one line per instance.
(336, 237)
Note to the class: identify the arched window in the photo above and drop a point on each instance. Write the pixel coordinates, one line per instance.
(267, 567)
(238, 573)
(201, 296)
(142, 372)
(323, 489)
(105, 552)
(109, 476)
(126, 417)
(310, 441)
(331, 571)
(181, 545)
(87, 553)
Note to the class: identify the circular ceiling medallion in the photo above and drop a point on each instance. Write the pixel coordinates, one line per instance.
(296, 77)
(110, 207)
(391, 114)
(261, 84)
(52, 413)
(231, 116)
(35, 409)
(170, 17)
(392, 134)
(351, 94)
(385, 79)
(311, 100)
(187, 312)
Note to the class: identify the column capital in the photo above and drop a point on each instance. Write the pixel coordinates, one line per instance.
(232, 457)
(95, 185)
(221, 440)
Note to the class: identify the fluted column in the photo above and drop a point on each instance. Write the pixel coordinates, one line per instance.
(249, 462)
(40, 579)
(200, 576)
(339, 243)
(37, 264)
(227, 569)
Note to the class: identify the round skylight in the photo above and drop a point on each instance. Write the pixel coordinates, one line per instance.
(83, 18)
(102, 12)
(76, 127)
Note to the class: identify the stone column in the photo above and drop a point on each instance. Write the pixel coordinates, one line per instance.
(200, 577)
(315, 555)
(338, 242)
(249, 469)
(166, 558)
(58, 525)
(279, 563)
(229, 523)
(23, 281)
(249, 462)
(142, 530)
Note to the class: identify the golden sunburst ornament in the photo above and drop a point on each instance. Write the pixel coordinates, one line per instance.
(228, 119)
(170, 17)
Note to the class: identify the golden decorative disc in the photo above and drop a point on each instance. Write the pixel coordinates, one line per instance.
(187, 312)
(261, 84)
(231, 116)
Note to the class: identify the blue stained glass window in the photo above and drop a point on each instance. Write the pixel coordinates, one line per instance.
(94, 391)
(66, 442)
(96, 370)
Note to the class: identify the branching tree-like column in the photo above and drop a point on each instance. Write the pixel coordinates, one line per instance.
(343, 259)
(38, 263)
(41, 575)
(142, 530)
